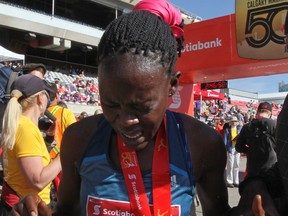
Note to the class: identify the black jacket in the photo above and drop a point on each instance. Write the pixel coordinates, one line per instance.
(257, 141)
(245, 133)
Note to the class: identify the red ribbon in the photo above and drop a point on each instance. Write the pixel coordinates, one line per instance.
(160, 177)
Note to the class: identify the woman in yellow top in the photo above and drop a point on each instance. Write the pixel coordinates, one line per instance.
(27, 164)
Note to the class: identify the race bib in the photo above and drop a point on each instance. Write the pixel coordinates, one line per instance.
(99, 206)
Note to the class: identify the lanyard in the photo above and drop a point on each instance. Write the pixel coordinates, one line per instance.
(160, 177)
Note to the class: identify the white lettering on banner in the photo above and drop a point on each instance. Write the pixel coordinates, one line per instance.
(190, 47)
(96, 209)
(106, 207)
(116, 212)
(212, 95)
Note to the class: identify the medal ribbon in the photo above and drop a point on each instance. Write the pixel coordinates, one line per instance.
(160, 177)
(161, 174)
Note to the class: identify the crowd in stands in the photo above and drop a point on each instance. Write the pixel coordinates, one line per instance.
(73, 85)
(77, 89)
(212, 111)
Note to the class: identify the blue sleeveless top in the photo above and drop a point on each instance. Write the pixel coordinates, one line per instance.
(101, 179)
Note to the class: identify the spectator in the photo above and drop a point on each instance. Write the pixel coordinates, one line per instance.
(36, 69)
(252, 116)
(240, 118)
(252, 131)
(82, 115)
(197, 109)
(220, 113)
(82, 74)
(57, 82)
(61, 89)
(64, 117)
(23, 145)
(80, 84)
(257, 140)
(233, 159)
(76, 81)
(246, 117)
(220, 126)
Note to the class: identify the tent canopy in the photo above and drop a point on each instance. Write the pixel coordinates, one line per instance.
(206, 94)
(7, 55)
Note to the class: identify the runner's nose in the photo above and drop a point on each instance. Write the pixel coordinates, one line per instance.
(128, 119)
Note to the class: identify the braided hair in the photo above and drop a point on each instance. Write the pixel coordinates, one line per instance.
(139, 32)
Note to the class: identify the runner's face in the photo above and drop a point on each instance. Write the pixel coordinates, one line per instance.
(133, 92)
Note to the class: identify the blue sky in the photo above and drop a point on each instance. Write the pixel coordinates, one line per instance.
(209, 9)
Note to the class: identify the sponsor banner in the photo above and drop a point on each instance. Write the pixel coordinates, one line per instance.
(182, 100)
(200, 94)
(205, 45)
(260, 29)
(106, 207)
(212, 59)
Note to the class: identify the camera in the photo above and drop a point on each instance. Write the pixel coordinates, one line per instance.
(44, 123)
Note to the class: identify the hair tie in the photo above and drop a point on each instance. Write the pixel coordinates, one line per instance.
(15, 96)
(166, 11)
(16, 93)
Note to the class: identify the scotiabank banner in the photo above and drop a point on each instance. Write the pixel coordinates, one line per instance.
(209, 48)
(210, 53)
(260, 29)
(205, 45)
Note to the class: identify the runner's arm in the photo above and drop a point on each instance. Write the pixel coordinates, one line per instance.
(211, 185)
(208, 157)
(69, 189)
(73, 144)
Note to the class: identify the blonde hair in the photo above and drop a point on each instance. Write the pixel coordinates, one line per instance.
(11, 117)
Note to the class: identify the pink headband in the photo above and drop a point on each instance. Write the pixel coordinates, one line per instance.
(166, 11)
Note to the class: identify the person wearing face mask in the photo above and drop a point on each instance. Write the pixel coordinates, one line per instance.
(27, 164)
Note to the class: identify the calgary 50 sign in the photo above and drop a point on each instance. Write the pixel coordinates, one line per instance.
(260, 29)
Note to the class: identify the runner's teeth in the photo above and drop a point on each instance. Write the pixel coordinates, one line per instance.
(132, 137)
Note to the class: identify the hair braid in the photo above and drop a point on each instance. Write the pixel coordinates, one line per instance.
(137, 32)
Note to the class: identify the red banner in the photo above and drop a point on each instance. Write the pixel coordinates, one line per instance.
(210, 54)
(102, 207)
